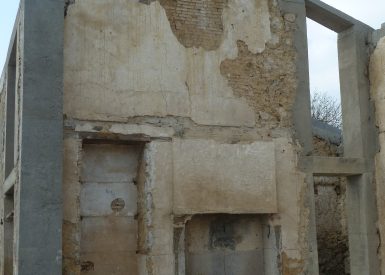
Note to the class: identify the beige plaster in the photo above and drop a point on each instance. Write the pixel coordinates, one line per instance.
(122, 59)
(210, 177)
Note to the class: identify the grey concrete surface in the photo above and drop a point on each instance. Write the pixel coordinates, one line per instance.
(302, 119)
(10, 112)
(38, 246)
(378, 34)
(328, 16)
(360, 141)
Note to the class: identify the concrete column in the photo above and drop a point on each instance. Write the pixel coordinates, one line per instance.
(360, 141)
(38, 207)
(10, 113)
(302, 122)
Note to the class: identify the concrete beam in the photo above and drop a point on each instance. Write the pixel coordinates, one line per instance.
(336, 166)
(329, 17)
(10, 182)
(38, 196)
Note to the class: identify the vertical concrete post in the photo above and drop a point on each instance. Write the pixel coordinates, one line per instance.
(10, 113)
(360, 141)
(38, 207)
(156, 235)
(302, 121)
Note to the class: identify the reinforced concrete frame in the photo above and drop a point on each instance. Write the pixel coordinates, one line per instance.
(34, 137)
(37, 42)
(359, 131)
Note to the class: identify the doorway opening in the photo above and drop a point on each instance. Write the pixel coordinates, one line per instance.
(331, 225)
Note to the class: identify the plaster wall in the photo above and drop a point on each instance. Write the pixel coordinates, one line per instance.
(108, 206)
(224, 244)
(246, 179)
(209, 87)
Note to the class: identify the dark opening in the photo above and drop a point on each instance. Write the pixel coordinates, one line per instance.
(331, 223)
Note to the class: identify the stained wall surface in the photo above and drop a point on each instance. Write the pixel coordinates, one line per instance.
(247, 179)
(181, 153)
(224, 244)
(108, 206)
(208, 87)
(377, 78)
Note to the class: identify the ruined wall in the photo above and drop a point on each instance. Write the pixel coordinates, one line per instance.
(170, 76)
(197, 82)
(332, 235)
(10, 90)
(331, 216)
(377, 81)
(226, 243)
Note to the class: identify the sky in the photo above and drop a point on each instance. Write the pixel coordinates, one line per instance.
(8, 13)
(322, 43)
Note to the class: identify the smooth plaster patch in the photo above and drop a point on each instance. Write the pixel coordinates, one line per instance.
(210, 177)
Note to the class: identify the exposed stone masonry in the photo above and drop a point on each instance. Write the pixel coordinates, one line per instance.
(267, 80)
(196, 23)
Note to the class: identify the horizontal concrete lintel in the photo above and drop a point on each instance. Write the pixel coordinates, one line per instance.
(329, 17)
(337, 166)
(91, 137)
(10, 182)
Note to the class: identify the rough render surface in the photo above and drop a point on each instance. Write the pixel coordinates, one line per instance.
(108, 206)
(377, 80)
(293, 217)
(123, 59)
(245, 174)
(267, 80)
(71, 207)
(131, 69)
(155, 240)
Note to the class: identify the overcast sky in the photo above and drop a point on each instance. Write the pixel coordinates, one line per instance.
(322, 42)
(8, 12)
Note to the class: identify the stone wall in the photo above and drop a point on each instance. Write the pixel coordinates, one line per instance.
(331, 216)
(187, 141)
(332, 235)
(203, 86)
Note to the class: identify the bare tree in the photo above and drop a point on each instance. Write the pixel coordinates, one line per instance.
(326, 109)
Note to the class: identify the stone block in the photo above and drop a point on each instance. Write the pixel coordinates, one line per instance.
(210, 177)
